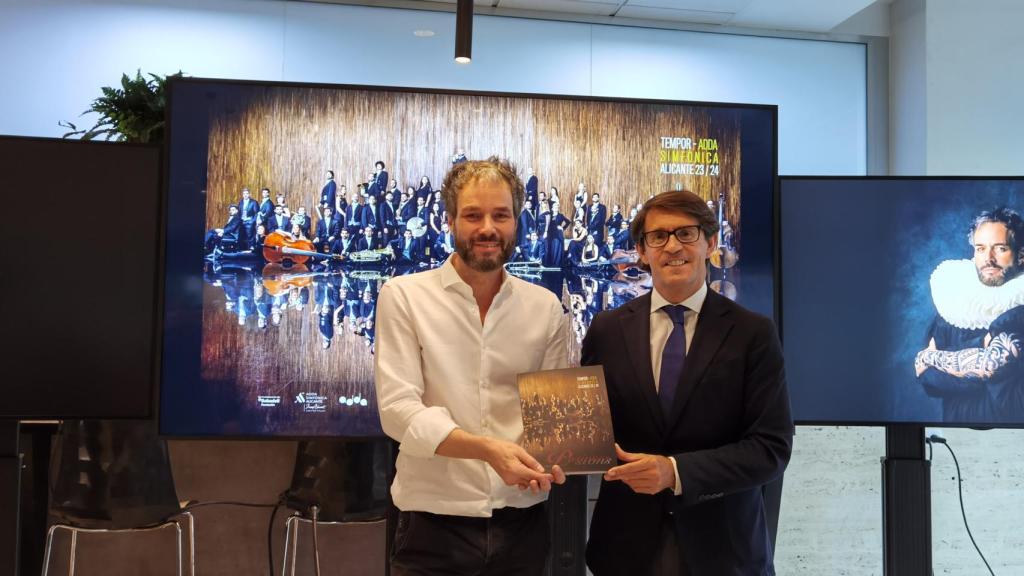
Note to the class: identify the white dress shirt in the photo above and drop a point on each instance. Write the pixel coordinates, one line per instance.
(438, 369)
(661, 329)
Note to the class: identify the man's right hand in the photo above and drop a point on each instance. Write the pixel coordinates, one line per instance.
(513, 465)
(516, 467)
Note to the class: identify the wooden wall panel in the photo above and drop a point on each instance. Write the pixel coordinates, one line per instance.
(286, 138)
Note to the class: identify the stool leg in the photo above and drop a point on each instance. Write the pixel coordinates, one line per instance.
(50, 534)
(74, 549)
(181, 549)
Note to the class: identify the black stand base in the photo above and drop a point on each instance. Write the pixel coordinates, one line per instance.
(567, 517)
(10, 495)
(906, 503)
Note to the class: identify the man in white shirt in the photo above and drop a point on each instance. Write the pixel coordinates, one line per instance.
(450, 342)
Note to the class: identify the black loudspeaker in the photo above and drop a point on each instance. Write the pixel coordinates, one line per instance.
(567, 519)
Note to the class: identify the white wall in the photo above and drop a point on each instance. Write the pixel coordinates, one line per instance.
(975, 68)
(55, 54)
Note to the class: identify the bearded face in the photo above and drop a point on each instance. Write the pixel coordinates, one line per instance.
(994, 256)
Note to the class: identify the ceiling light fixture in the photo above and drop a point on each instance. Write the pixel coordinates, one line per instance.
(464, 31)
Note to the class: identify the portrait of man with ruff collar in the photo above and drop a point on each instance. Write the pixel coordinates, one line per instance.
(971, 360)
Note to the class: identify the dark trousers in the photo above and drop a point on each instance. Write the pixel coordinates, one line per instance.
(513, 542)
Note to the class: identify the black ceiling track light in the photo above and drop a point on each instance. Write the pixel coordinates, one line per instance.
(464, 31)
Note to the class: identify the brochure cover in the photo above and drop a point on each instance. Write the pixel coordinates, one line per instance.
(566, 419)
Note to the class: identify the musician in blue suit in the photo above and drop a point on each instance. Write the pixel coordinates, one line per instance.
(527, 224)
(700, 412)
(247, 209)
(531, 190)
(226, 235)
(368, 241)
(266, 206)
(623, 241)
(372, 216)
(278, 221)
(379, 180)
(615, 220)
(445, 243)
(327, 229)
(388, 219)
(596, 215)
(533, 251)
(354, 215)
(329, 192)
(406, 208)
(408, 250)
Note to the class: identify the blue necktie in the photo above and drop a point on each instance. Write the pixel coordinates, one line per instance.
(672, 358)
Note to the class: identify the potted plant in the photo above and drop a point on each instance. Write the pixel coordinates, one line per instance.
(132, 113)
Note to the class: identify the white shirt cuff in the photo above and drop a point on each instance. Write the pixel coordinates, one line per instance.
(678, 488)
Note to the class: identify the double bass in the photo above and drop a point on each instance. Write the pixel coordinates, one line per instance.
(724, 256)
(281, 247)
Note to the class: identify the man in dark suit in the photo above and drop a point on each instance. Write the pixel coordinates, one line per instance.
(266, 207)
(408, 250)
(700, 428)
(368, 241)
(226, 235)
(615, 220)
(527, 224)
(327, 230)
(596, 215)
(531, 190)
(278, 221)
(329, 192)
(372, 216)
(378, 182)
(445, 243)
(247, 209)
(345, 244)
(354, 215)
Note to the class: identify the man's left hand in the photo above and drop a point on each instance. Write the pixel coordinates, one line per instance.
(644, 473)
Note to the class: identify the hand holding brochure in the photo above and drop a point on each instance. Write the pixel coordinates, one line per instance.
(566, 419)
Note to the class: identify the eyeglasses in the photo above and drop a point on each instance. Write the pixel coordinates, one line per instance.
(684, 234)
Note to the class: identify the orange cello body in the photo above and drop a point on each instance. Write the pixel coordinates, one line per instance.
(279, 247)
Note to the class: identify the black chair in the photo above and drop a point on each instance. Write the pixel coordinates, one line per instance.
(340, 487)
(114, 477)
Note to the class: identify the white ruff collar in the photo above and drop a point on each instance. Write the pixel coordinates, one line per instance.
(963, 301)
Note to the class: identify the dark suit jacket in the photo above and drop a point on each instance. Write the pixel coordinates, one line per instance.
(329, 193)
(730, 432)
(271, 223)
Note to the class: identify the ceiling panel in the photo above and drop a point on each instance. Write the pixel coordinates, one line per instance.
(805, 15)
(697, 5)
(563, 6)
(668, 14)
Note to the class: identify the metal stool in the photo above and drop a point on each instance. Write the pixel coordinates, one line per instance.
(176, 522)
(291, 544)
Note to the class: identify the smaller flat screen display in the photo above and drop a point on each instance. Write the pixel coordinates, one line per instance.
(903, 300)
(82, 221)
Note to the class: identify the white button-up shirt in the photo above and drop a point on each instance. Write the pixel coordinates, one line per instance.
(437, 369)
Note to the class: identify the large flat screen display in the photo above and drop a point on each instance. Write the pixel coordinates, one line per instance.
(902, 300)
(290, 205)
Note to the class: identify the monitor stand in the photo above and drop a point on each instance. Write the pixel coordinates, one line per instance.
(906, 503)
(10, 495)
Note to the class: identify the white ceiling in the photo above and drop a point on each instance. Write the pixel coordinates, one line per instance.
(865, 17)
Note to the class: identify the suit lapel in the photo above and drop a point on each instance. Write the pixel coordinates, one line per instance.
(636, 329)
(713, 325)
